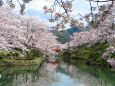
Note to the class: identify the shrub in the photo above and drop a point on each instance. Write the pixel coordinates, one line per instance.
(2, 55)
(34, 53)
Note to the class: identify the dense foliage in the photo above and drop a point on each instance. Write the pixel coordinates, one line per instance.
(92, 55)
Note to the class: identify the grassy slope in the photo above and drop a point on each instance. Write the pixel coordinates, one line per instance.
(36, 61)
(92, 55)
(32, 57)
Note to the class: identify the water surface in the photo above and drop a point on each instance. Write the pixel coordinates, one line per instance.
(60, 74)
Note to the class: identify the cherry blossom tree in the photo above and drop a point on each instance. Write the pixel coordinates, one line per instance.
(12, 4)
(11, 31)
(38, 36)
(61, 10)
(23, 32)
(82, 38)
(104, 31)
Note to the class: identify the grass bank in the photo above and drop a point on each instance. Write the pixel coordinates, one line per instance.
(18, 57)
(84, 54)
(33, 62)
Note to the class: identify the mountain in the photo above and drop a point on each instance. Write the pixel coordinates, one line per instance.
(72, 30)
(64, 36)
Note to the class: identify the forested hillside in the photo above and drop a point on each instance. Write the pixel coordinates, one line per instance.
(64, 36)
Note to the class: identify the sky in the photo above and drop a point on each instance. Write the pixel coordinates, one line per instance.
(35, 8)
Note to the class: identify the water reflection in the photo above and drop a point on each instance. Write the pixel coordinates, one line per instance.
(57, 75)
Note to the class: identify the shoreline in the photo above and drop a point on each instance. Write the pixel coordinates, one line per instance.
(35, 62)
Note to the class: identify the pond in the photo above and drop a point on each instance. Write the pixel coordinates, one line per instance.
(61, 74)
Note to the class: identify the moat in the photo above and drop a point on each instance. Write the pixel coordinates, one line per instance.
(57, 74)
